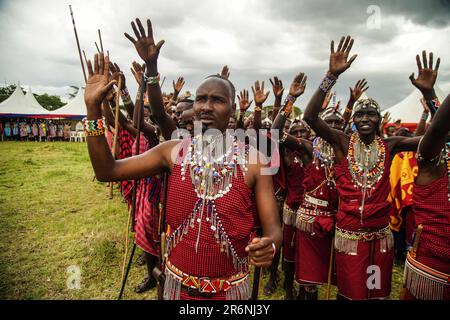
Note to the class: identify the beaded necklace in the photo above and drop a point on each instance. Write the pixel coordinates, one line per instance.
(366, 165)
(447, 162)
(323, 157)
(211, 173)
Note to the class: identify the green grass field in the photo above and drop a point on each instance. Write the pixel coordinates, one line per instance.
(53, 217)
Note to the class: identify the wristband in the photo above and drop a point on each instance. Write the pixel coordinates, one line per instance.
(151, 80)
(125, 91)
(290, 98)
(424, 116)
(94, 127)
(274, 249)
(327, 83)
(433, 105)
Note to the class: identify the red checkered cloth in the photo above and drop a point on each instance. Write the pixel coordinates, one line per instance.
(236, 210)
(432, 210)
(146, 212)
(126, 142)
(376, 207)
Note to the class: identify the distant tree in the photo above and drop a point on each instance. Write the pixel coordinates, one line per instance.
(5, 92)
(49, 102)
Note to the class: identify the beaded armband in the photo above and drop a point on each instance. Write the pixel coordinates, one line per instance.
(151, 80)
(433, 105)
(424, 116)
(125, 96)
(327, 83)
(94, 127)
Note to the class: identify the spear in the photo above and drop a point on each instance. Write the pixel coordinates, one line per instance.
(78, 43)
(100, 37)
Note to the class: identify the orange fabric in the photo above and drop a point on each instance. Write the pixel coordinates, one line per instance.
(403, 172)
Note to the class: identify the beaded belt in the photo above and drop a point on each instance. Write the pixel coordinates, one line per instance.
(206, 284)
(363, 235)
(314, 212)
(424, 282)
(289, 215)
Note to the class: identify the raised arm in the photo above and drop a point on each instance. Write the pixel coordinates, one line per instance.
(277, 87)
(260, 97)
(339, 62)
(105, 167)
(355, 94)
(244, 104)
(125, 95)
(177, 86)
(422, 124)
(149, 52)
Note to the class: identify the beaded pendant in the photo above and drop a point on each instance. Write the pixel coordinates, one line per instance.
(323, 156)
(211, 176)
(366, 165)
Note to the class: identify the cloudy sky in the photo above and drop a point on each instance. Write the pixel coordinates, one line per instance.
(257, 39)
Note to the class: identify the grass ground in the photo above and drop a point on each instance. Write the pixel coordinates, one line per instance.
(54, 219)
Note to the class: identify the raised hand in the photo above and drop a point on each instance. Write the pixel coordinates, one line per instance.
(244, 102)
(258, 94)
(338, 59)
(116, 73)
(427, 75)
(298, 85)
(177, 86)
(225, 73)
(138, 72)
(386, 119)
(358, 90)
(277, 87)
(98, 83)
(145, 44)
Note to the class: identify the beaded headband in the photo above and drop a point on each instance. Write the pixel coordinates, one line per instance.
(365, 103)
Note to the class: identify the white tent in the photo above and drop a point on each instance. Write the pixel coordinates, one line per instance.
(18, 105)
(410, 109)
(34, 103)
(76, 108)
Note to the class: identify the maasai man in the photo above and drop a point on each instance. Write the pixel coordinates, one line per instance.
(296, 151)
(427, 267)
(35, 130)
(363, 240)
(43, 130)
(208, 229)
(7, 130)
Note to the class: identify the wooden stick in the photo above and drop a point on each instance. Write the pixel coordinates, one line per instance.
(116, 130)
(126, 243)
(330, 269)
(100, 37)
(96, 45)
(78, 43)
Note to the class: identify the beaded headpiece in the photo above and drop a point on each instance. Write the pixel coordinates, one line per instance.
(365, 103)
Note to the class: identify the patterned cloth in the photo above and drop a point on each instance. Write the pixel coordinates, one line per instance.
(146, 212)
(126, 142)
(403, 171)
(432, 211)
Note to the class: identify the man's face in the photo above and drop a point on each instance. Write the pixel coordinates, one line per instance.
(299, 131)
(179, 110)
(186, 119)
(366, 120)
(390, 131)
(334, 122)
(146, 115)
(232, 123)
(213, 104)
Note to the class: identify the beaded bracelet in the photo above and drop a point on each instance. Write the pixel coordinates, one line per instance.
(327, 83)
(93, 125)
(424, 116)
(95, 133)
(151, 80)
(290, 98)
(125, 91)
(433, 105)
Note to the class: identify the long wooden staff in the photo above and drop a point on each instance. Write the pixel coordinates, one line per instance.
(116, 130)
(133, 208)
(257, 274)
(330, 269)
(78, 43)
(100, 39)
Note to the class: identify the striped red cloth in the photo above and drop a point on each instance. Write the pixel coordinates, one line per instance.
(126, 142)
(146, 212)
(432, 210)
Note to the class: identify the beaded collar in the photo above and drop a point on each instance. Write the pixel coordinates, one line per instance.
(366, 165)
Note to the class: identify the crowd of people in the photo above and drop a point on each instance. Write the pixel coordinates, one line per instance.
(26, 129)
(329, 210)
